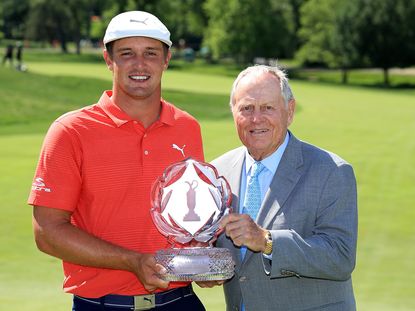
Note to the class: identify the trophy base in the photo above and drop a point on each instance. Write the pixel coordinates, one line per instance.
(196, 264)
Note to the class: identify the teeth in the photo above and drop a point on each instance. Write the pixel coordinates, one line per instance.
(141, 78)
(259, 131)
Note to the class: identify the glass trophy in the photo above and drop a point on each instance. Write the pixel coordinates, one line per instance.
(188, 201)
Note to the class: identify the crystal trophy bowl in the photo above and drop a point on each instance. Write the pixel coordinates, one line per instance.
(188, 201)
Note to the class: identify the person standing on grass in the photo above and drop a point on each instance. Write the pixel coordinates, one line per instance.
(8, 55)
(19, 56)
(91, 190)
(293, 232)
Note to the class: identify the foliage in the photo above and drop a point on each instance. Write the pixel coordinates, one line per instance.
(317, 29)
(296, 16)
(329, 35)
(51, 21)
(187, 23)
(249, 29)
(358, 33)
(342, 34)
(346, 37)
(185, 19)
(387, 31)
(12, 15)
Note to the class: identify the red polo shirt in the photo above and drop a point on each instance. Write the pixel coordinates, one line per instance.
(100, 164)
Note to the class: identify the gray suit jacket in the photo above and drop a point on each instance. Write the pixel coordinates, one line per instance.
(311, 212)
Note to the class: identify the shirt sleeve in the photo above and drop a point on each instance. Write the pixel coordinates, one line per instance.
(57, 181)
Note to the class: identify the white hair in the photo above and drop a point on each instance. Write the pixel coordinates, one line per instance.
(275, 70)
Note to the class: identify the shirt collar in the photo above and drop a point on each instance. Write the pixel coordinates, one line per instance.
(271, 162)
(167, 115)
(119, 117)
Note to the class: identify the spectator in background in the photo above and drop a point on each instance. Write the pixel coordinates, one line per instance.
(19, 56)
(8, 55)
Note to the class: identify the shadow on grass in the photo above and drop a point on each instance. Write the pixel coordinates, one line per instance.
(371, 80)
(45, 55)
(30, 102)
(204, 67)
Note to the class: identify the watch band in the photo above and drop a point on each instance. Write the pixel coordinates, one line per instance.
(268, 246)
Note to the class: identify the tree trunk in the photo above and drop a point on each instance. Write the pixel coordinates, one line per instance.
(385, 76)
(64, 47)
(78, 47)
(345, 76)
(62, 36)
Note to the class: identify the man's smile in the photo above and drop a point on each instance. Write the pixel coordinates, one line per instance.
(139, 77)
(258, 131)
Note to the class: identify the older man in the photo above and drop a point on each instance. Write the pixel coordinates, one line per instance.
(294, 230)
(91, 191)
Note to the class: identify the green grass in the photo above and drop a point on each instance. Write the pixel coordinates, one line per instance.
(371, 128)
(362, 77)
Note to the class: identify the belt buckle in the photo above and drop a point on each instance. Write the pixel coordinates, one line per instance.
(144, 302)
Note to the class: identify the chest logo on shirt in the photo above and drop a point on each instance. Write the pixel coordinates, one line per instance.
(39, 185)
(174, 146)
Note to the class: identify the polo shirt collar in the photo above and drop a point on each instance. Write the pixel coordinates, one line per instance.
(167, 115)
(119, 117)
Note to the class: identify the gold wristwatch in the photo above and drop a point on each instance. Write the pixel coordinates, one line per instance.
(268, 246)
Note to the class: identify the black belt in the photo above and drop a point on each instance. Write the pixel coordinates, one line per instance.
(141, 302)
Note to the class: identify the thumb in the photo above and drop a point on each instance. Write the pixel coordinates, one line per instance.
(160, 269)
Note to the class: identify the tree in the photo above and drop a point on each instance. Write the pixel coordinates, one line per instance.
(188, 21)
(296, 13)
(387, 30)
(358, 33)
(329, 35)
(13, 14)
(79, 12)
(185, 19)
(345, 38)
(51, 20)
(45, 22)
(317, 29)
(249, 28)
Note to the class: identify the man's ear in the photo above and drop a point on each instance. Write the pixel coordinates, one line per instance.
(167, 61)
(108, 60)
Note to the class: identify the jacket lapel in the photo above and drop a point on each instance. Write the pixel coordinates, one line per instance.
(282, 184)
(234, 179)
(284, 181)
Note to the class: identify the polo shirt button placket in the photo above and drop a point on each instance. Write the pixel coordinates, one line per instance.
(146, 152)
(137, 127)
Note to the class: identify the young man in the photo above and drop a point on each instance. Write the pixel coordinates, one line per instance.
(91, 191)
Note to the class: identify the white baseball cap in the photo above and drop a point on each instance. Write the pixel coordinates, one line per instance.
(136, 24)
